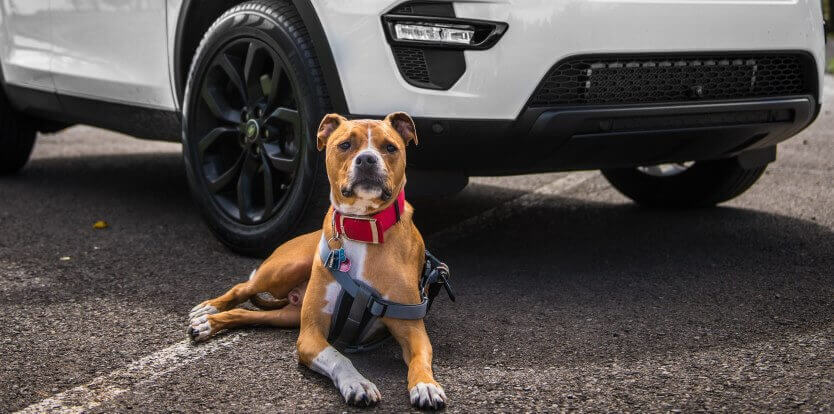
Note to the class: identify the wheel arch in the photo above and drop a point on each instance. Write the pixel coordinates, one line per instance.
(196, 16)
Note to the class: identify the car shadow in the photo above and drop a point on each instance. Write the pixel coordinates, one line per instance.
(567, 281)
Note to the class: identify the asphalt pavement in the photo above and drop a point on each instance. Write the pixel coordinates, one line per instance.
(569, 296)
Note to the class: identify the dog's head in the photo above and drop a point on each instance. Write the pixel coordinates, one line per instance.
(365, 160)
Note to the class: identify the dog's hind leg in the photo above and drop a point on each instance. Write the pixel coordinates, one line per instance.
(238, 294)
(289, 266)
(206, 326)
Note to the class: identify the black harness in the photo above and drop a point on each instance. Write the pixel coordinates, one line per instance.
(355, 326)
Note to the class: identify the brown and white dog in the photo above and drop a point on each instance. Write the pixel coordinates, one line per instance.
(366, 169)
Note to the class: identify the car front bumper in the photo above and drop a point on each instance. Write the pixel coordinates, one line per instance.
(580, 138)
(490, 121)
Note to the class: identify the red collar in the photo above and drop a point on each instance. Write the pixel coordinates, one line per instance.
(369, 229)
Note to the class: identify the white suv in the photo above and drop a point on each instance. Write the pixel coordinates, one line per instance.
(679, 102)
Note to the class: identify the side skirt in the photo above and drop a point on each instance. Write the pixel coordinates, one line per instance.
(140, 122)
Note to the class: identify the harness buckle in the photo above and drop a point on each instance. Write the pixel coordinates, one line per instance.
(378, 309)
(435, 274)
(446, 285)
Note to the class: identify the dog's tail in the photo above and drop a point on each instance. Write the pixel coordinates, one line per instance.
(266, 301)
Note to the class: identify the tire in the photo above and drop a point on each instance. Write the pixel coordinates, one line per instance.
(703, 184)
(277, 155)
(17, 137)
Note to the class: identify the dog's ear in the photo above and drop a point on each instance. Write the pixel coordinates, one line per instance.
(404, 125)
(328, 124)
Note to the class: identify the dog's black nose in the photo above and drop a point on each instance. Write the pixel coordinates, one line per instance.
(365, 159)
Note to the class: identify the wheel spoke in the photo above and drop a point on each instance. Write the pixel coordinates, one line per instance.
(285, 114)
(212, 136)
(252, 68)
(234, 75)
(281, 162)
(244, 187)
(269, 196)
(271, 89)
(218, 105)
(250, 59)
(227, 177)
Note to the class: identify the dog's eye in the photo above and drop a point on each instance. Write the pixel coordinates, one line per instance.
(391, 148)
(344, 146)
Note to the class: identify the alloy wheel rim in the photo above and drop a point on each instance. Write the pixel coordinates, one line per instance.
(248, 131)
(666, 170)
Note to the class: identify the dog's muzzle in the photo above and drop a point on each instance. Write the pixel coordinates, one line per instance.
(368, 175)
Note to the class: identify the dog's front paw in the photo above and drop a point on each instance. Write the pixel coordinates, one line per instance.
(200, 329)
(427, 396)
(200, 310)
(360, 392)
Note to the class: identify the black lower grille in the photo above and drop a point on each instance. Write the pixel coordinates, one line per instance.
(622, 80)
(412, 64)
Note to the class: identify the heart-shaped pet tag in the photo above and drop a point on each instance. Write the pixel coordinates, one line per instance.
(345, 265)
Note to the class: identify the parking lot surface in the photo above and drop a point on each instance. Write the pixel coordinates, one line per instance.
(569, 296)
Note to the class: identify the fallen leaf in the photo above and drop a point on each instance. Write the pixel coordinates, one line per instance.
(101, 224)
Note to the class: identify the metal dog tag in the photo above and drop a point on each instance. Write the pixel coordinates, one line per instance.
(345, 266)
(336, 259)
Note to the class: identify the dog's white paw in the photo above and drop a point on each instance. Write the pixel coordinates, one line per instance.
(428, 396)
(200, 310)
(360, 392)
(200, 329)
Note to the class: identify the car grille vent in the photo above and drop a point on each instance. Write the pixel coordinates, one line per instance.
(412, 64)
(624, 80)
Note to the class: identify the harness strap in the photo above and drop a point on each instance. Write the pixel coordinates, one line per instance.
(376, 305)
(353, 323)
(382, 307)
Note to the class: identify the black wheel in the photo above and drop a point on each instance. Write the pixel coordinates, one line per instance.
(253, 101)
(17, 136)
(682, 185)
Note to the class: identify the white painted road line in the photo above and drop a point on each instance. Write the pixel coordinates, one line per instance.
(508, 208)
(107, 387)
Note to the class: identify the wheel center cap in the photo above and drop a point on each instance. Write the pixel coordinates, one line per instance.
(252, 130)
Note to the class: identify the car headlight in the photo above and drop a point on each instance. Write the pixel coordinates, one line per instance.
(441, 32)
(461, 35)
